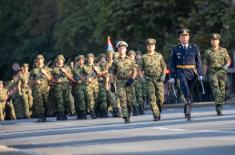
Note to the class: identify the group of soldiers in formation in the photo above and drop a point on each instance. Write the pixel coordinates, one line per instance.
(116, 82)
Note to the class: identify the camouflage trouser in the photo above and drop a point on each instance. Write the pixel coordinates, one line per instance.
(10, 110)
(79, 93)
(92, 92)
(2, 111)
(62, 94)
(27, 102)
(111, 98)
(217, 79)
(51, 107)
(18, 105)
(155, 93)
(102, 97)
(40, 100)
(139, 93)
(126, 96)
(71, 101)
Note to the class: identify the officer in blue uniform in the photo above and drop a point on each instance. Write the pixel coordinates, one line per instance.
(186, 65)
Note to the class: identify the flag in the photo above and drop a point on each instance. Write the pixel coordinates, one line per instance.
(110, 46)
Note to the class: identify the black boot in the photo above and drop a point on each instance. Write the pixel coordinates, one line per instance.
(41, 118)
(135, 111)
(219, 113)
(126, 119)
(156, 118)
(141, 110)
(92, 115)
(188, 109)
(61, 117)
(115, 112)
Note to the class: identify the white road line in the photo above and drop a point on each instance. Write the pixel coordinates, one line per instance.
(195, 131)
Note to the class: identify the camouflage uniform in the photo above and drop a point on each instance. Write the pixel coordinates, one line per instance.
(92, 87)
(25, 93)
(3, 98)
(215, 61)
(40, 90)
(123, 69)
(154, 68)
(79, 89)
(111, 95)
(102, 96)
(61, 89)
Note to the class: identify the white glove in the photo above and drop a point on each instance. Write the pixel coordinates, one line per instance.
(171, 80)
(200, 78)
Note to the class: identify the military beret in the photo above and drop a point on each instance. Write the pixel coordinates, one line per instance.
(150, 41)
(79, 57)
(40, 57)
(215, 36)
(90, 55)
(184, 31)
(60, 57)
(131, 52)
(25, 65)
(121, 43)
(102, 55)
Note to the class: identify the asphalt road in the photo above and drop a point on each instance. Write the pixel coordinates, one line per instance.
(205, 134)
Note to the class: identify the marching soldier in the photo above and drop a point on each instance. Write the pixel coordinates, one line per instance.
(25, 91)
(91, 73)
(61, 77)
(186, 65)
(216, 62)
(79, 87)
(154, 68)
(39, 80)
(125, 71)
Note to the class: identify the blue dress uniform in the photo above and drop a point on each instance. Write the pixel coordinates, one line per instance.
(186, 65)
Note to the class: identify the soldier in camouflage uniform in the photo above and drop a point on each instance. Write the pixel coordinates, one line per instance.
(25, 91)
(216, 62)
(140, 86)
(124, 69)
(91, 73)
(103, 86)
(135, 105)
(111, 95)
(154, 68)
(61, 77)
(79, 87)
(3, 98)
(39, 80)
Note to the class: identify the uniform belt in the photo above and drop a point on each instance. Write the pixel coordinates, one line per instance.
(185, 66)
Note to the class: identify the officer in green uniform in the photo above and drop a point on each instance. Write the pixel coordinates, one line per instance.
(39, 80)
(216, 62)
(61, 77)
(154, 67)
(124, 69)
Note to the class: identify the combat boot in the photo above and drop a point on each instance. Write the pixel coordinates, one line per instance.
(135, 111)
(219, 113)
(141, 110)
(115, 112)
(156, 118)
(92, 115)
(126, 119)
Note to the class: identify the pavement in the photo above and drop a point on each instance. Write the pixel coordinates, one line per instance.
(206, 134)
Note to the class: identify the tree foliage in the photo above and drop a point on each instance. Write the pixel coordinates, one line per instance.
(77, 27)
